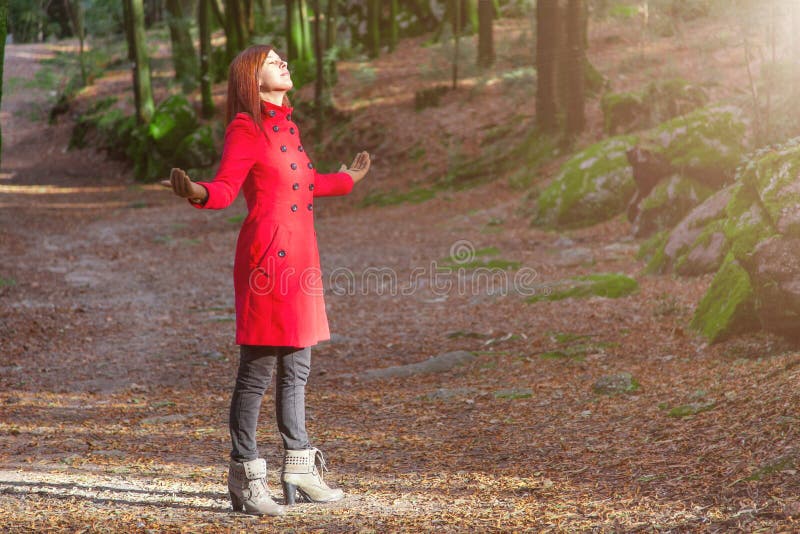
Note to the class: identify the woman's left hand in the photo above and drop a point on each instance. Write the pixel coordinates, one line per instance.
(359, 167)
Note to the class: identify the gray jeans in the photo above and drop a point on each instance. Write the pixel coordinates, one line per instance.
(256, 365)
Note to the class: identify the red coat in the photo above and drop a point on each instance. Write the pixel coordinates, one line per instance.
(276, 273)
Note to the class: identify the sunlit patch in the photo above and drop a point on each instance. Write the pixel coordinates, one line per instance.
(52, 189)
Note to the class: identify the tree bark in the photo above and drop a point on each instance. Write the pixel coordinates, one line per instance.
(456, 20)
(330, 24)
(307, 49)
(393, 29)
(320, 81)
(75, 12)
(183, 54)
(373, 28)
(140, 63)
(574, 69)
(204, 27)
(485, 33)
(546, 42)
(3, 35)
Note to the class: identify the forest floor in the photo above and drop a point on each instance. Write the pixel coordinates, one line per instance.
(117, 356)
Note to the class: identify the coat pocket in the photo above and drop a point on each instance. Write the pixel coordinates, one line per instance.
(269, 257)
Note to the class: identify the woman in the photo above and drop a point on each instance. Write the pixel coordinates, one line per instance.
(280, 310)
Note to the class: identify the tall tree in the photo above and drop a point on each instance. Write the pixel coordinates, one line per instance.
(456, 20)
(393, 25)
(574, 69)
(183, 53)
(485, 33)
(546, 44)
(330, 23)
(307, 48)
(204, 27)
(298, 31)
(373, 27)
(133, 11)
(3, 34)
(75, 12)
(320, 80)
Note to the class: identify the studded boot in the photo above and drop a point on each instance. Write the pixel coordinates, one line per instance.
(247, 485)
(302, 472)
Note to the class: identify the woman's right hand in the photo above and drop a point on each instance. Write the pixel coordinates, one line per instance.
(183, 186)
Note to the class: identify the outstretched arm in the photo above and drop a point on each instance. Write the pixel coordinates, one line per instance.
(341, 183)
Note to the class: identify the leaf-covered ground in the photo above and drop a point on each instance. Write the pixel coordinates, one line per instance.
(117, 355)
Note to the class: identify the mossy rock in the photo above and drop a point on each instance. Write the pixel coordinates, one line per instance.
(196, 150)
(667, 204)
(172, 121)
(775, 271)
(607, 285)
(593, 186)
(746, 223)
(772, 174)
(706, 253)
(705, 144)
(727, 307)
(666, 99)
(624, 112)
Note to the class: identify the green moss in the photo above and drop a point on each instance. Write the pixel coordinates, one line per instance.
(668, 203)
(772, 173)
(747, 223)
(173, 119)
(705, 144)
(728, 305)
(694, 408)
(622, 112)
(609, 285)
(652, 250)
(593, 186)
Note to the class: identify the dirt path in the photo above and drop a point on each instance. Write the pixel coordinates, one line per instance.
(116, 339)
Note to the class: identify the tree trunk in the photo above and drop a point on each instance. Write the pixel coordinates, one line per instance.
(203, 25)
(373, 28)
(469, 14)
(292, 32)
(320, 81)
(546, 42)
(3, 34)
(574, 71)
(456, 38)
(485, 33)
(307, 49)
(137, 53)
(330, 24)
(183, 54)
(393, 29)
(75, 12)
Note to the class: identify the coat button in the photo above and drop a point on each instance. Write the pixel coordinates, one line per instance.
(281, 253)
(291, 131)
(310, 207)
(294, 207)
(310, 187)
(294, 166)
(272, 113)
(310, 165)
(283, 148)
(275, 128)
(295, 186)
(300, 148)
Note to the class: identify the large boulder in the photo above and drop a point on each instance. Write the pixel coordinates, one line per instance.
(775, 272)
(705, 144)
(593, 186)
(624, 112)
(727, 308)
(746, 222)
(667, 204)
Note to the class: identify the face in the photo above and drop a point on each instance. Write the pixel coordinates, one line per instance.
(274, 74)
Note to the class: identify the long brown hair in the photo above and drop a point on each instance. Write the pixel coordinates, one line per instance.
(243, 84)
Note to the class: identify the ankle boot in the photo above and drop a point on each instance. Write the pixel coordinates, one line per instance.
(247, 485)
(300, 474)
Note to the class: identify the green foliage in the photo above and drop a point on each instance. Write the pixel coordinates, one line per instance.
(173, 120)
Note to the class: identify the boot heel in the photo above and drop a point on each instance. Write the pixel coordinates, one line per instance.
(237, 504)
(289, 492)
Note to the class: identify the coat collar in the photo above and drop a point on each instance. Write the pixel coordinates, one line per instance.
(266, 107)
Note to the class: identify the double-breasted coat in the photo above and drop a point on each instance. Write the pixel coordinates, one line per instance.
(276, 275)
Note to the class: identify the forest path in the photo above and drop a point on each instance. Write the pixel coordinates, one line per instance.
(116, 317)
